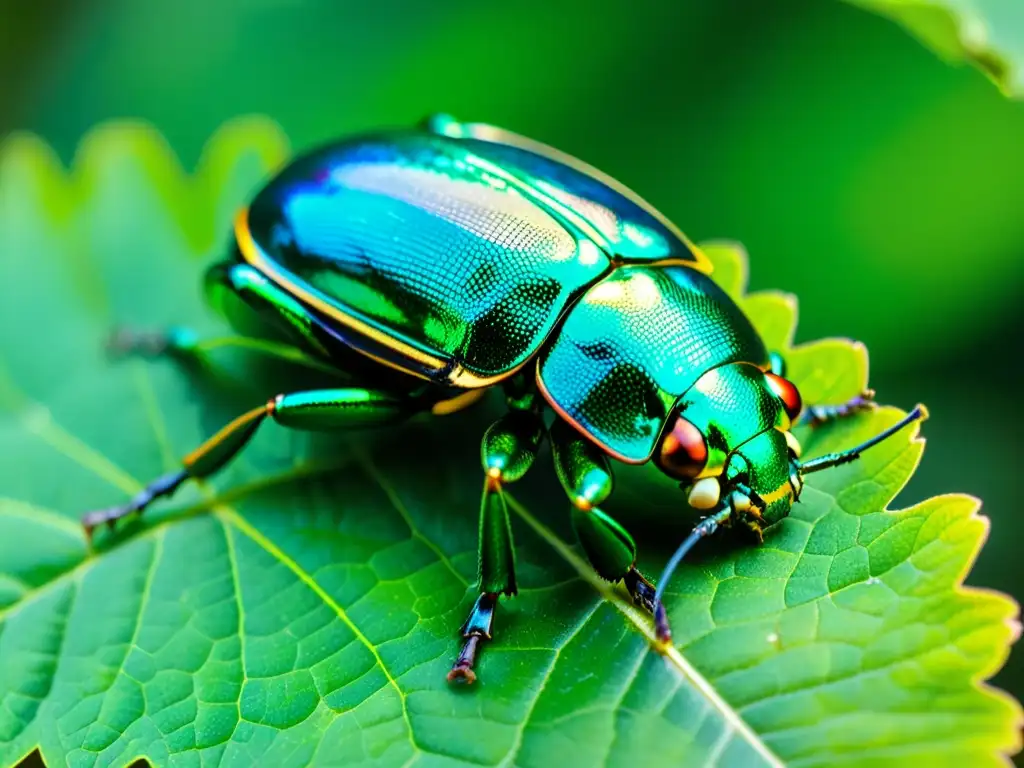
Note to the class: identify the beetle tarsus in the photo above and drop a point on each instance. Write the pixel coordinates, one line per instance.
(662, 630)
(93, 520)
(162, 486)
(816, 415)
(476, 629)
(462, 669)
(123, 342)
(640, 589)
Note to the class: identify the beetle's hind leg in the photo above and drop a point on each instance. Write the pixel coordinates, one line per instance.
(315, 410)
(266, 319)
(585, 474)
(171, 342)
(508, 450)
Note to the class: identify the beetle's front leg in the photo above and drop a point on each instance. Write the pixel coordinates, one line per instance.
(507, 452)
(585, 474)
(816, 415)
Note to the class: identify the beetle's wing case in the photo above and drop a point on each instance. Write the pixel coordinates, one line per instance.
(410, 240)
(627, 226)
(633, 345)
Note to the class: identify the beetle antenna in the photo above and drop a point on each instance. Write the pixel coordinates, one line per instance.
(705, 527)
(920, 413)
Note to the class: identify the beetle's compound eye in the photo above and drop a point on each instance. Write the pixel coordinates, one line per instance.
(684, 452)
(787, 393)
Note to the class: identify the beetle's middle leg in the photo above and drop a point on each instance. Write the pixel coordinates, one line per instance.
(508, 450)
(315, 410)
(585, 474)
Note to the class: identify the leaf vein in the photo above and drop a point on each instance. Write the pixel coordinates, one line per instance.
(230, 516)
(517, 745)
(16, 508)
(374, 474)
(237, 584)
(643, 625)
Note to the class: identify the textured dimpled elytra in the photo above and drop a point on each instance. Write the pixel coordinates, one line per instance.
(412, 237)
(632, 232)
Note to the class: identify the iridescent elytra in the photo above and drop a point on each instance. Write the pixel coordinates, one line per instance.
(434, 263)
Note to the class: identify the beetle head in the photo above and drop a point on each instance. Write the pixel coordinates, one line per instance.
(727, 413)
(761, 480)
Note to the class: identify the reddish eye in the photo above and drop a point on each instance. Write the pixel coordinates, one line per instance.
(787, 393)
(684, 453)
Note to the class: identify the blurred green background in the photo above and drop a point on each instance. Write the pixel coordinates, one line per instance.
(881, 185)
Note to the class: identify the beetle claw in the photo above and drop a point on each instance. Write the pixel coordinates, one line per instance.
(108, 517)
(662, 629)
(462, 669)
(757, 531)
(462, 673)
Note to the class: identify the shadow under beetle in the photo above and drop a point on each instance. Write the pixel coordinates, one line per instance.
(434, 263)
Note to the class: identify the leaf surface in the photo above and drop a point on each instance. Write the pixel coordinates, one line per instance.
(303, 607)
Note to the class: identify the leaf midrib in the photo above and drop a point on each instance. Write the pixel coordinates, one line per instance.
(642, 623)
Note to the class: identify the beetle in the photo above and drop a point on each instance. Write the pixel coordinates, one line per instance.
(433, 263)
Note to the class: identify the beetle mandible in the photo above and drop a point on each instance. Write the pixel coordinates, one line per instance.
(435, 263)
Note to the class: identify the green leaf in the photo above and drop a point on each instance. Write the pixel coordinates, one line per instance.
(303, 608)
(987, 33)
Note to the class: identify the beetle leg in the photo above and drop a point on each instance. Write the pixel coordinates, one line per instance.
(641, 590)
(796, 480)
(171, 342)
(507, 452)
(816, 415)
(315, 410)
(185, 345)
(586, 475)
(269, 320)
(254, 306)
(744, 501)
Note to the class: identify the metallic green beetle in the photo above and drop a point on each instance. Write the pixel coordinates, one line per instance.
(435, 263)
